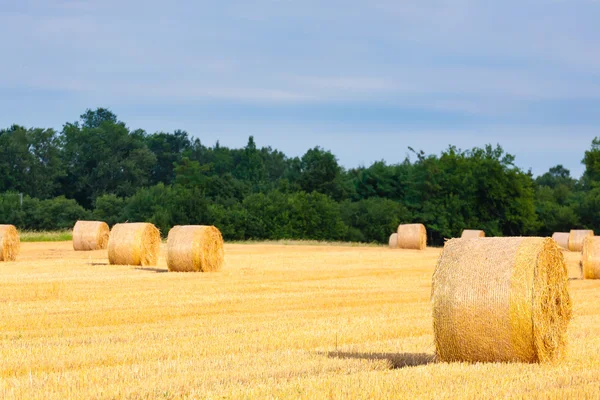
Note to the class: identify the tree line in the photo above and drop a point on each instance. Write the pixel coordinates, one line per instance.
(98, 168)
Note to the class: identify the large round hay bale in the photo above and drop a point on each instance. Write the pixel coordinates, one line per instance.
(412, 236)
(90, 235)
(10, 244)
(195, 248)
(393, 241)
(576, 237)
(472, 233)
(590, 257)
(134, 244)
(500, 300)
(562, 239)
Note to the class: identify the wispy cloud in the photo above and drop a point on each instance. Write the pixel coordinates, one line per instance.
(453, 67)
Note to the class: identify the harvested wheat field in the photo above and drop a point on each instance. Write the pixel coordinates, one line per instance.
(278, 321)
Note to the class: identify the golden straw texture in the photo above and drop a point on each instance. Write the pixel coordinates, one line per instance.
(412, 236)
(134, 244)
(393, 241)
(195, 248)
(472, 233)
(562, 239)
(576, 237)
(90, 235)
(590, 257)
(10, 244)
(500, 300)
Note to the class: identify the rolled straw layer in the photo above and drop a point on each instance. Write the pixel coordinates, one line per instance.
(90, 235)
(393, 241)
(195, 248)
(10, 244)
(562, 239)
(134, 244)
(500, 299)
(412, 236)
(576, 237)
(472, 233)
(590, 258)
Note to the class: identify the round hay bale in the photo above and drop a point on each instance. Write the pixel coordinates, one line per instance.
(472, 233)
(393, 241)
(562, 239)
(134, 244)
(576, 237)
(10, 244)
(590, 257)
(500, 300)
(90, 235)
(195, 248)
(412, 236)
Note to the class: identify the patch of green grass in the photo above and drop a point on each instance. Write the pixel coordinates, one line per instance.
(46, 236)
(295, 242)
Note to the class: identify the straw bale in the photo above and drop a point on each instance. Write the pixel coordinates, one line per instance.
(412, 236)
(393, 241)
(10, 244)
(500, 300)
(562, 239)
(90, 235)
(134, 244)
(472, 233)
(590, 257)
(195, 248)
(576, 237)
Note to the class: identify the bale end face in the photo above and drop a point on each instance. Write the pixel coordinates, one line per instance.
(10, 243)
(500, 300)
(195, 248)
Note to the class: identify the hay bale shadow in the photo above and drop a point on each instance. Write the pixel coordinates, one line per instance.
(396, 360)
(157, 270)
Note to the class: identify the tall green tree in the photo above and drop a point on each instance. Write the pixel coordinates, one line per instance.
(30, 161)
(103, 157)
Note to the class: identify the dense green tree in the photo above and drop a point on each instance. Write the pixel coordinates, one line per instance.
(30, 161)
(168, 148)
(591, 160)
(103, 157)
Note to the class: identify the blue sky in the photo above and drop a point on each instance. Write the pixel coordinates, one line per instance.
(364, 79)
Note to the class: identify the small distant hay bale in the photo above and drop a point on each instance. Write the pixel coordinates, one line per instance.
(576, 237)
(134, 244)
(412, 236)
(10, 244)
(590, 257)
(472, 233)
(500, 300)
(90, 235)
(195, 248)
(393, 241)
(562, 239)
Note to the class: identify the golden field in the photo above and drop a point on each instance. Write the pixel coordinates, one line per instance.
(279, 321)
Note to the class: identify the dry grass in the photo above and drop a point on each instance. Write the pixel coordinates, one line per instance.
(277, 322)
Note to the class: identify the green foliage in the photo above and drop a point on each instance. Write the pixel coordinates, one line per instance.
(46, 236)
(103, 156)
(373, 219)
(101, 169)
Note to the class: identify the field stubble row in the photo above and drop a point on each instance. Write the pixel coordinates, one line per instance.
(278, 321)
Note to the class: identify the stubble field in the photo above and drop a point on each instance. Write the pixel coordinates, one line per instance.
(279, 321)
